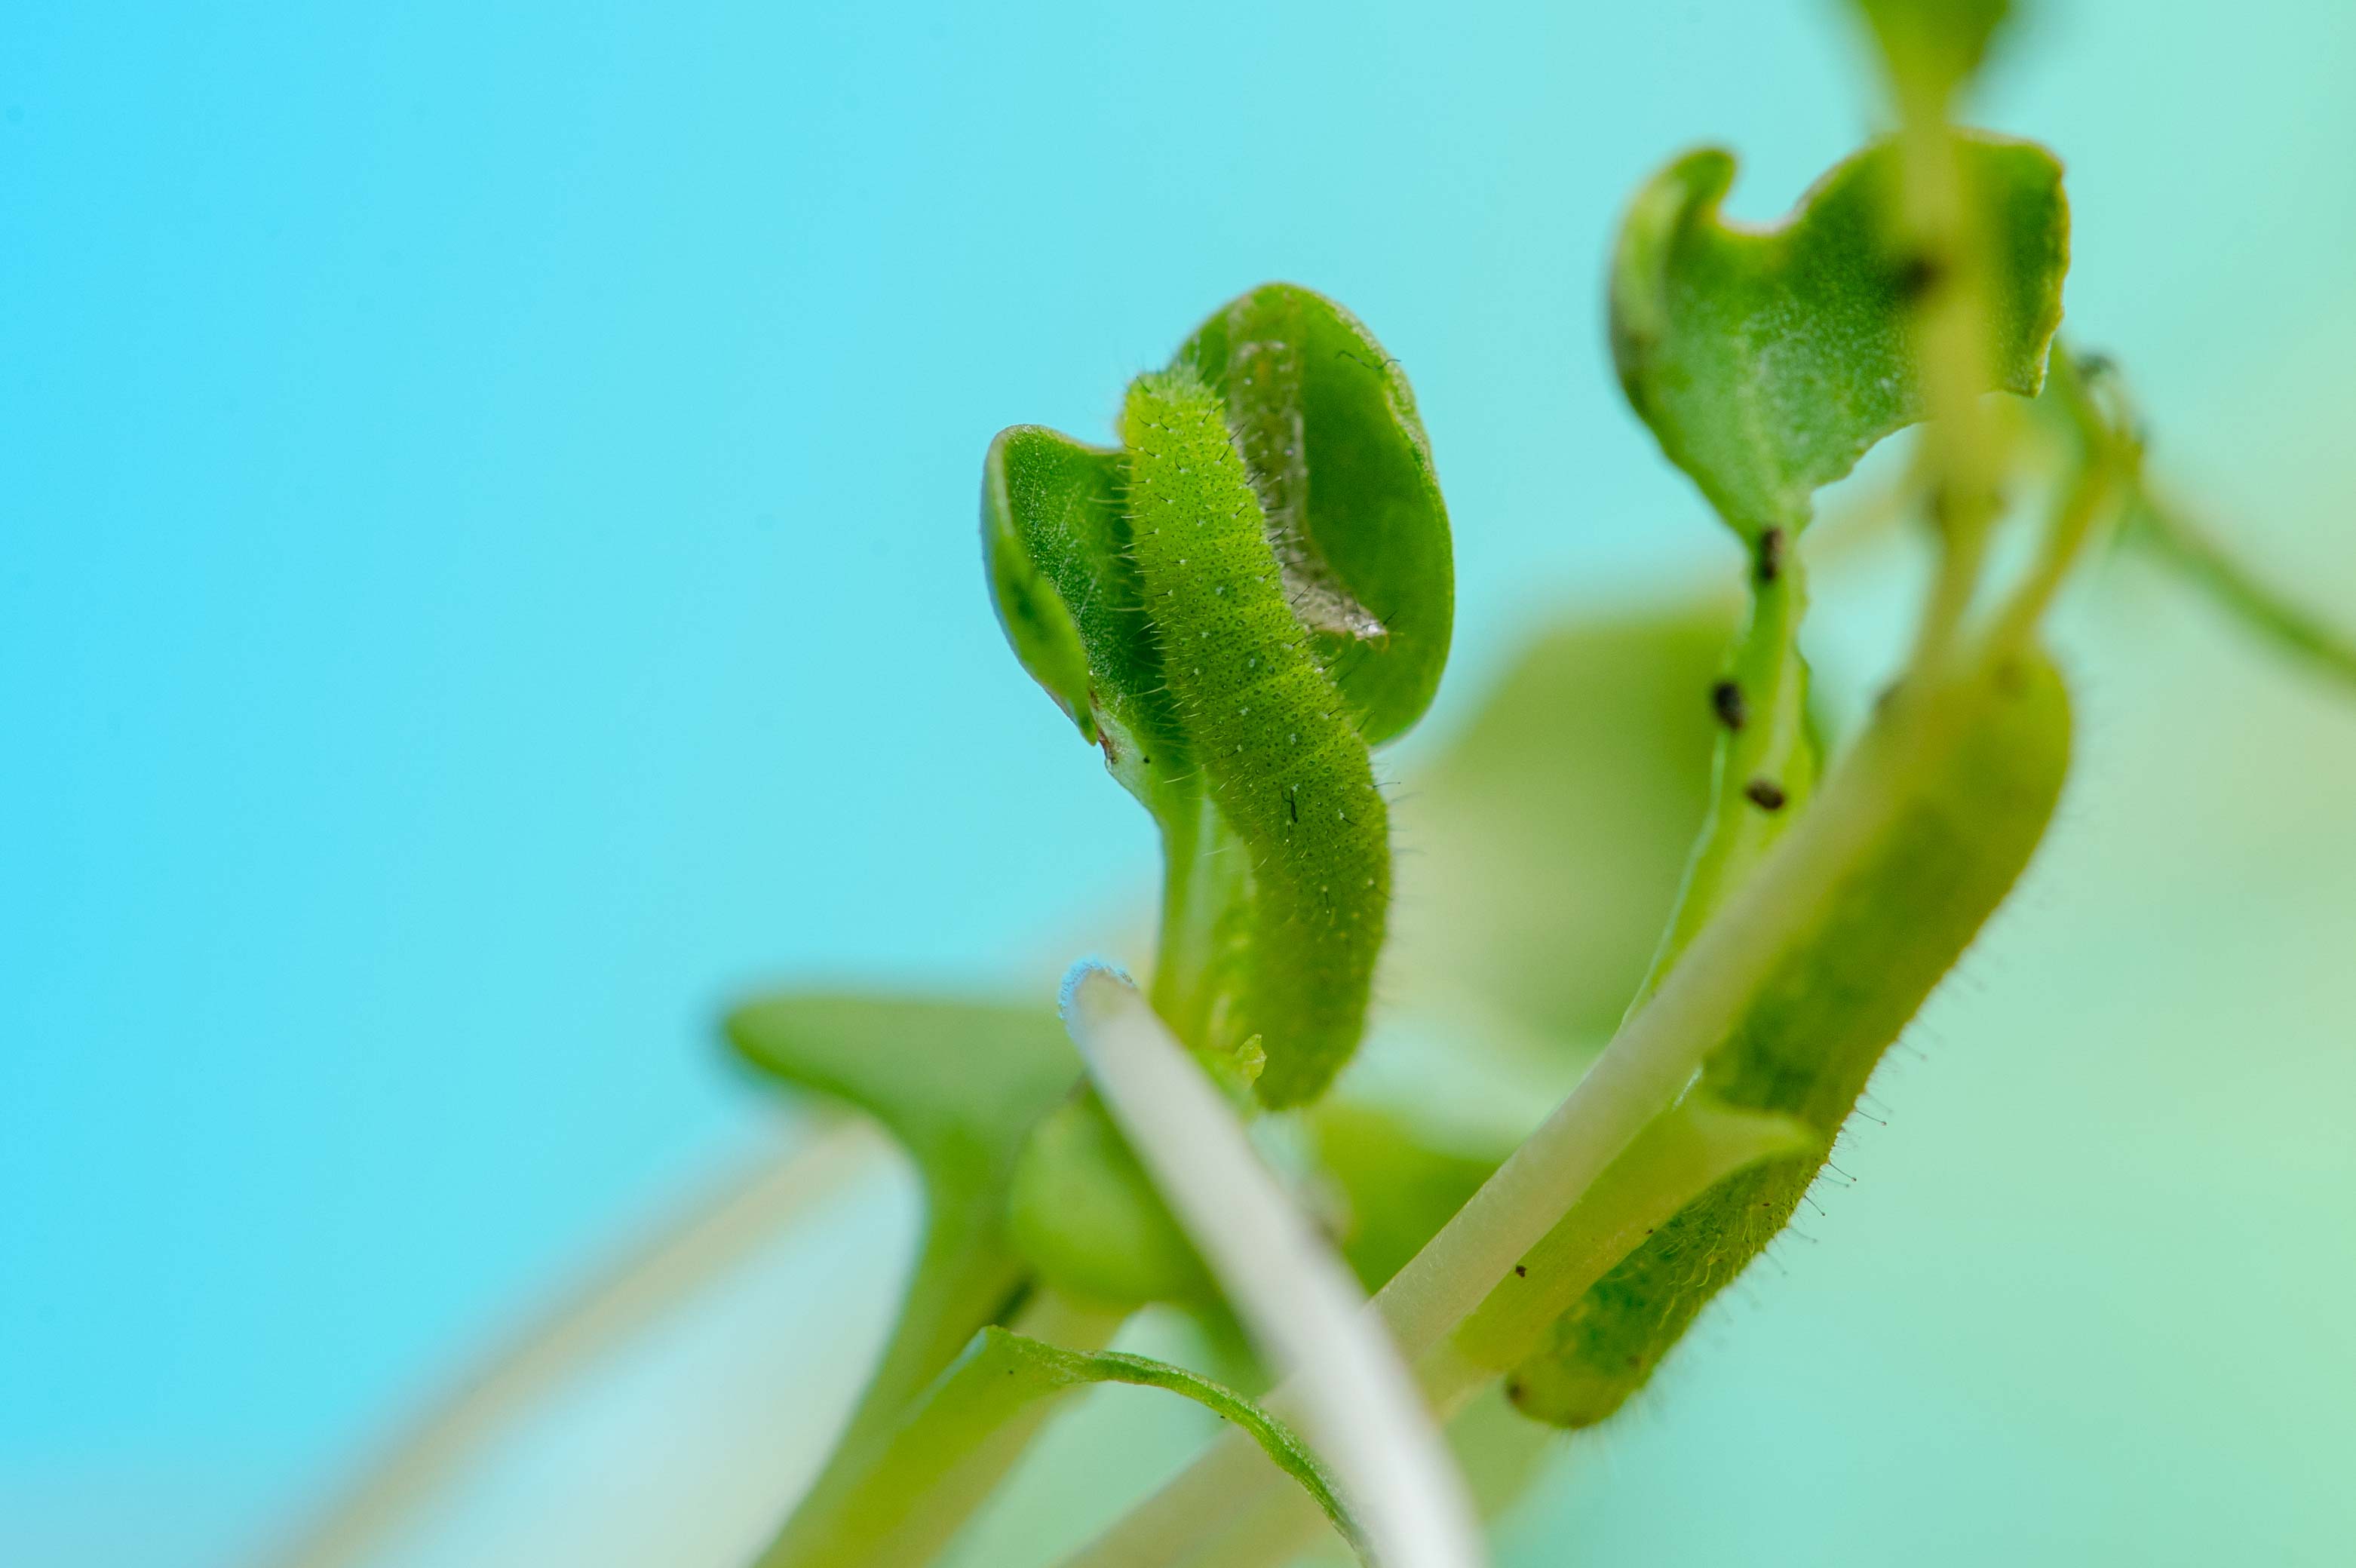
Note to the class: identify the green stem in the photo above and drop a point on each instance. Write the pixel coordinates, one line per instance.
(1291, 1292)
(1204, 883)
(1764, 755)
(1231, 1511)
(918, 1481)
(2235, 588)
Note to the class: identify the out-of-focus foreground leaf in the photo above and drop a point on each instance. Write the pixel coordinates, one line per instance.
(1541, 850)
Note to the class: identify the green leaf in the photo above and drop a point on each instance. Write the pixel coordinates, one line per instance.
(1982, 762)
(1237, 681)
(1329, 429)
(948, 1449)
(1768, 360)
(1399, 1182)
(959, 1085)
(1553, 831)
(1055, 542)
(1086, 1216)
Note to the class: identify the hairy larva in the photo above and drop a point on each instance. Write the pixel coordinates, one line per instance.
(1286, 769)
(1978, 805)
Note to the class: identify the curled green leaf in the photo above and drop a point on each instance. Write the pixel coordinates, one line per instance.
(1329, 430)
(1768, 360)
(1237, 686)
(1055, 545)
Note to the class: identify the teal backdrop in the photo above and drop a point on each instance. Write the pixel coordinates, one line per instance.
(488, 573)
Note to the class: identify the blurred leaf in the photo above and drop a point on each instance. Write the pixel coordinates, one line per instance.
(1087, 1217)
(1548, 838)
(1316, 616)
(959, 1085)
(1400, 1183)
(1328, 427)
(1768, 360)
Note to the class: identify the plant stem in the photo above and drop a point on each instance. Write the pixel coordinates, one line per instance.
(1258, 1524)
(1204, 870)
(2325, 649)
(1283, 1279)
(1963, 449)
(1644, 1070)
(677, 1260)
(916, 1485)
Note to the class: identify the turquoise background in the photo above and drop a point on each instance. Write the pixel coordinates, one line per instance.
(487, 573)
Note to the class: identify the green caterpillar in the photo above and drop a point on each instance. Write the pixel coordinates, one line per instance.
(1286, 767)
(1979, 796)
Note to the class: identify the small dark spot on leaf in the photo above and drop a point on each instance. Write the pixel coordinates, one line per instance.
(1917, 275)
(1765, 794)
(1520, 1272)
(1726, 702)
(1771, 554)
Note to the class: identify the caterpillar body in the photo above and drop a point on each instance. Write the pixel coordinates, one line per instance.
(1977, 803)
(1285, 765)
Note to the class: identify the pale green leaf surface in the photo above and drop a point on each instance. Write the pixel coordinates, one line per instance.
(1551, 833)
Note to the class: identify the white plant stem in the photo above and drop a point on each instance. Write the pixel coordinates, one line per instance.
(1356, 1395)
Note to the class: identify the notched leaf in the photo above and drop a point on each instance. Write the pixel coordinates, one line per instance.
(1768, 360)
(1327, 424)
